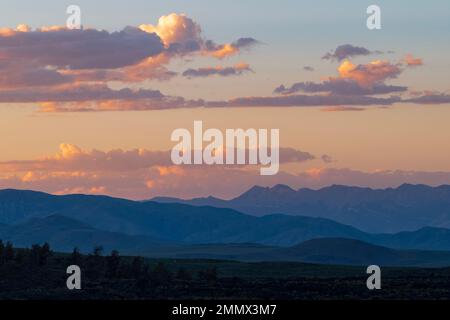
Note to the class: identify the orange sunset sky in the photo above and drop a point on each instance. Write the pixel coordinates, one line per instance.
(92, 110)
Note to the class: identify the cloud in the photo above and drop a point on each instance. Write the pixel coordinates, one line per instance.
(307, 101)
(136, 174)
(362, 79)
(327, 158)
(54, 56)
(340, 87)
(96, 97)
(441, 98)
(411, 61)
(176, 29)
(66, 70)
(290, 155)
(342, 108)
(82, 92)
(333, 102)
(120, 105)
(142, 174)
(72, 158)
(181, 34)
(236, 70)
(308, 68)
(347, 51)
(369, 74)
(226, 50)
(79, 49)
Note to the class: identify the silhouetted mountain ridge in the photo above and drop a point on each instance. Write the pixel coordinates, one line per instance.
(101, 219)
(406, 208)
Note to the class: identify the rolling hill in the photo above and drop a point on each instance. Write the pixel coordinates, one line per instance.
(336, 251)
(63, 234)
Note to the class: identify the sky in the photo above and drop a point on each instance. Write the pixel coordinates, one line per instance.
(92, 110)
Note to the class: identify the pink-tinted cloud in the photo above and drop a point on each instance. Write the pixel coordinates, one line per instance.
(353, 80)
(229, 49)
(70, 70)
(72, 158)
(175, 29)
(369, 74)
(50, 56)
(411, 61)
(75, 171)
(142, 174)
(136, 174)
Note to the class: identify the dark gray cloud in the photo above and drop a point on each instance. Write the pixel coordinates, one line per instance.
(290, 155)
(80, 49)
(308, 68)
(245, 43)
(327, 159)
(346, 51)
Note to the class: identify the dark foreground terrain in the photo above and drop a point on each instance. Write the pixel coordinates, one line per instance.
(38, 273)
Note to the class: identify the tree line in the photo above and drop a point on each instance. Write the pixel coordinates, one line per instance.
(97, 266)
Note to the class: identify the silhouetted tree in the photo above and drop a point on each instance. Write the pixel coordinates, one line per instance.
(34, 255)
(113, 264)
(44, 254)
(20, 257)
(8, 253)
(76, 258)
(98, 250)
(96, 263)
(137, 267)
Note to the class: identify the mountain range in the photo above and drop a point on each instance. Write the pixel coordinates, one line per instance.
(406, 208)
(180, 230)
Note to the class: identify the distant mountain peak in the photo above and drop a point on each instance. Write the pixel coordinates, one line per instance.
(282, 188)
(409, 186)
